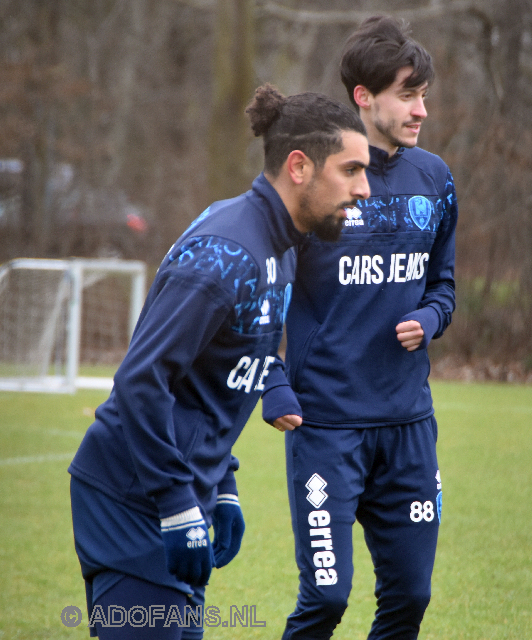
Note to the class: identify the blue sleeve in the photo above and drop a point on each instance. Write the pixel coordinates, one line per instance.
(278, 399)
(182, 317)
(228, 482)
(438, 303)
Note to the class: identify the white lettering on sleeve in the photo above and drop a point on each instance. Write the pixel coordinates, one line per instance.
(265, 372)
(232, 381)
(247, 380)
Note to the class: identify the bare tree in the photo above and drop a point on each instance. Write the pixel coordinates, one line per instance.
(113, 106)
(232, 90)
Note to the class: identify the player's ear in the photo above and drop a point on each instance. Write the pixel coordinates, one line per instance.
(299, 166)
(362, 96)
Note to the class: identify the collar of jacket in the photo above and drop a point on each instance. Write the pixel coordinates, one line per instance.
(380, 161)
(284, 233)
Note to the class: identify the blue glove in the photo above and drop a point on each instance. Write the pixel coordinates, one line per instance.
(228, 523)
(188, 549)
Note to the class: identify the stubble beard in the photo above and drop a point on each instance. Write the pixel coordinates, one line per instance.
(387, 131)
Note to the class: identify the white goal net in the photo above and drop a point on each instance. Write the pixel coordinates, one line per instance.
(65, 324)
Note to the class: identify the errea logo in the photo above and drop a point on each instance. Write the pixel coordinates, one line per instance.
(196, 537)
(316, 495)
(354, 217)
(196, 533)
(265, 310)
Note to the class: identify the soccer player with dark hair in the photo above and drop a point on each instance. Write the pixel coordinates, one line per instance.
(363, 312)
(155, 468)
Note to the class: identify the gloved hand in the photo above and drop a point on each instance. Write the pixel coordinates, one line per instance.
(189, 554)
(228, 523)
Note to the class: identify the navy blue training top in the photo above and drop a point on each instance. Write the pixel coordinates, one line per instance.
(394, 262)
(198, 360)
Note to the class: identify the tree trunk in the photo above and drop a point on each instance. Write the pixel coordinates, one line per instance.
(232, 90)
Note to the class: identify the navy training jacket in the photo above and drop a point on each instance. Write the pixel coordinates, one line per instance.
(198, 359)
(394, 262)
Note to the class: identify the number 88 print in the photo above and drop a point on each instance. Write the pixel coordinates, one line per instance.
(419, 512)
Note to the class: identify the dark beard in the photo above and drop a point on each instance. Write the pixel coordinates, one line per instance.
(329, 229)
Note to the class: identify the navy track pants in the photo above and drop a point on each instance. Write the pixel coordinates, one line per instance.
(134, 609)
(122, 559)
(387, 478)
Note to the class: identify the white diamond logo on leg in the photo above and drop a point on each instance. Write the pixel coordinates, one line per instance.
(316, 495)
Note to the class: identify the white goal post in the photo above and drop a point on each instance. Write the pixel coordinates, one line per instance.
(56, 315)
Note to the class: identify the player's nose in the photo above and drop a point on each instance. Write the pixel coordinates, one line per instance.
(361, 189)
(419, 110)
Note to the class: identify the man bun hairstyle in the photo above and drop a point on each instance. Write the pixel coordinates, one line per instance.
(375, 52)
(309, 122)
(265, 109)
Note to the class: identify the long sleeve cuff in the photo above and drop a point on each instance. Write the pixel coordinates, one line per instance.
(429, 320)
(228, 484)
(176, 499)
(279, 401)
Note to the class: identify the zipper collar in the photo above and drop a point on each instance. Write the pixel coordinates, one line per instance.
(283, 232)
(380, 161)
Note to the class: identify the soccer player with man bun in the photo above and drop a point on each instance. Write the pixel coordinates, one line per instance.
(155, 468)
(363, 312)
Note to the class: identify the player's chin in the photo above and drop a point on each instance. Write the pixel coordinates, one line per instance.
(410, 139)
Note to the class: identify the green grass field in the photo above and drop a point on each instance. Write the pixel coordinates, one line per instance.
(482, 584)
